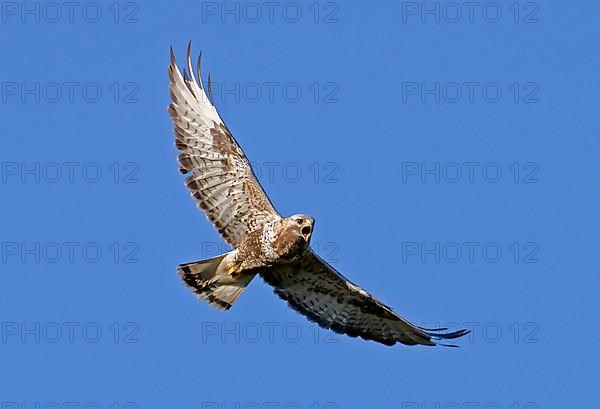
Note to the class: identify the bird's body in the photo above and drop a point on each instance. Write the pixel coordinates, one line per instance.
(278, 248)
(273, 244)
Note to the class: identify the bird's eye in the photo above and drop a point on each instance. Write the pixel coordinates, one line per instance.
(299, 220)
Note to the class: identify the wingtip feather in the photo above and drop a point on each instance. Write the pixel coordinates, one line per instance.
(172, 55)
(210, 90)
(436, 336)
(199, 70)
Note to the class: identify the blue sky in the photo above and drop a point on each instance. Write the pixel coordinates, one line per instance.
(447, 153)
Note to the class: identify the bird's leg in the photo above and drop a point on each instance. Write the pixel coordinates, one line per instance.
(234, 269)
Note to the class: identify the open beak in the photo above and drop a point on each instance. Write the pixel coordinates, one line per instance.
(306, 232)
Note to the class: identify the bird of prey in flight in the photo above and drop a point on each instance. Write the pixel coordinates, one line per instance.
(265, 243)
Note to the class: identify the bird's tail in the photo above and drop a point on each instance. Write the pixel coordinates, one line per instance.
(211, 280)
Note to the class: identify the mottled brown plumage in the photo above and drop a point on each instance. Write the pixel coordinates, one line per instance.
(225, 188)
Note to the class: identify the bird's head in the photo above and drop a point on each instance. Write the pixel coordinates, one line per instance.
(302, 225)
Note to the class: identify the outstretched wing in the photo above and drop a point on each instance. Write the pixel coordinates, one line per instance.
(316, 290)
(221, 179)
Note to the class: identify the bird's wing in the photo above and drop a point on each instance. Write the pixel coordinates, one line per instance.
(318, 291)
(221, 179)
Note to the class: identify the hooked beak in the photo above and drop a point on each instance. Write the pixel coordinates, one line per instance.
(306, 232)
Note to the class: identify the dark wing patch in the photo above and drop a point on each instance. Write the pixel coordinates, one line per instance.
(319, 292)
